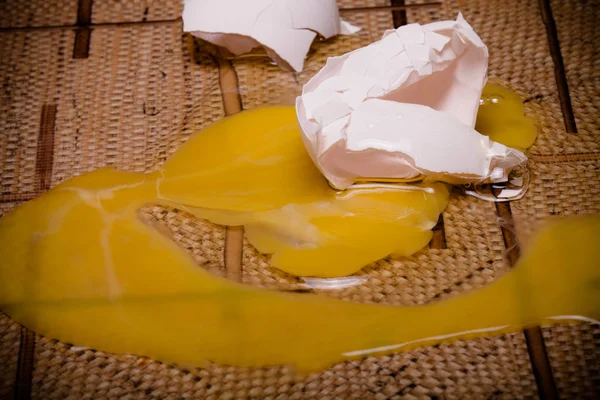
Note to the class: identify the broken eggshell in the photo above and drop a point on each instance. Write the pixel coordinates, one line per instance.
(404, 108)
(284, 28)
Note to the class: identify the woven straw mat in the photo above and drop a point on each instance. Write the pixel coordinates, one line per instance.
(139, 88)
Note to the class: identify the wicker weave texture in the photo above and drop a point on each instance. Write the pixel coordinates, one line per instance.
(141, 92)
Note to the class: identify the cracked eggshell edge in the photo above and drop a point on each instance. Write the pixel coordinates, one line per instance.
(284, 28)
(442, 67)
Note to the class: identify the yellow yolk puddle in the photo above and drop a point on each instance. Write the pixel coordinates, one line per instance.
(501, 117)
(252, 170)
(80, 266)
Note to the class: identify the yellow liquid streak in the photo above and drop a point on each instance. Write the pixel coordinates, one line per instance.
(79, 266)
(143, 295)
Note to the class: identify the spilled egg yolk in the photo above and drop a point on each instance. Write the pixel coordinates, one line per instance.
(80, 266)
(501, 117)
(270, 185)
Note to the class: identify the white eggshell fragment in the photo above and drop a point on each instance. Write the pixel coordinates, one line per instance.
(284, 28)
(404, 107)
